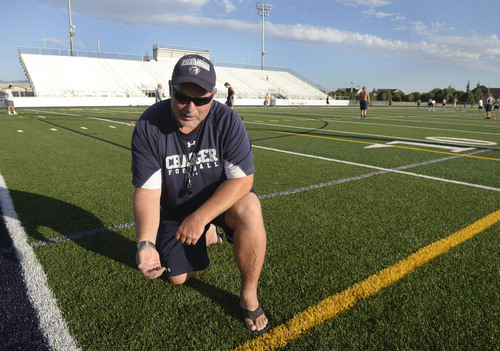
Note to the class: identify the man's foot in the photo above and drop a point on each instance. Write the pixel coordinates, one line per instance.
(256, 321)
(214, 235)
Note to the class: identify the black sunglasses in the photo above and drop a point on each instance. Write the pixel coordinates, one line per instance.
(184, 99)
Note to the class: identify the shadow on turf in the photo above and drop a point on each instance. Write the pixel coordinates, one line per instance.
(228, 302)
(37, 212)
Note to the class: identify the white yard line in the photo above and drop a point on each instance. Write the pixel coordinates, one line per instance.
(83, 116)
(52, 323)
(389, 170)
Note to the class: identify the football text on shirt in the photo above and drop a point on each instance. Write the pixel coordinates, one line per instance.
(206, 156)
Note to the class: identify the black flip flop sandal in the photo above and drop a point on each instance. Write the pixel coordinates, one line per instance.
(253, 315)
(220, 234)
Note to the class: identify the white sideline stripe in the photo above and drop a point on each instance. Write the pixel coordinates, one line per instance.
(380, 168)
(52, 323)
(345, 180)
(317, 186)
(83, 116)
(70, 237)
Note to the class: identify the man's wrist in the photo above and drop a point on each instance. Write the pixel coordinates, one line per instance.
(145, 243)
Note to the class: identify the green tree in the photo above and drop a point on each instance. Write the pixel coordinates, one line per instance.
(436, 94)
(398, 96)
(414, 96)
(384, 95)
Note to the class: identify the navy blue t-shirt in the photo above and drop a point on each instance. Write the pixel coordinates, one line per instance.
(159, 161)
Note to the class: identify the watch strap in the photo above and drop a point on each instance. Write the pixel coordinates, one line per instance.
(145, 242)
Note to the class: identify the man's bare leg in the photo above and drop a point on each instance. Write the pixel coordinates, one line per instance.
(249, 249)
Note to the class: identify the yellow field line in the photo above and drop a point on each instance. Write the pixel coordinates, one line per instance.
(334, 305)
(369, 143)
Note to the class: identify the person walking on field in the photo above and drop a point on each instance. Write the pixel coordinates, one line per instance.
(489, 105)
(9, 100)
(230, 95)
(364, 100)
(266, 100)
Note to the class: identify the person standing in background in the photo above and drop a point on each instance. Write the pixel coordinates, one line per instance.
(266, 100)
(489, 105)
(9, 100)
(230, 95)
(364, 100)
(159, 93)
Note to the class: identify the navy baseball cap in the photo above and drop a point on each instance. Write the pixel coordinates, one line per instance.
(194, 69)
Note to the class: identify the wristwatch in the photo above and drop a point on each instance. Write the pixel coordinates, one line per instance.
(145, 242)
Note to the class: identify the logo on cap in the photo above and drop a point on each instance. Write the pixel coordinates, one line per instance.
(196, 62)
(194, 70)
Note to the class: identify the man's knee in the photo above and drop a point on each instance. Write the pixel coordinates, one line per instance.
(246, 209)
(182, 278)
(245, 217)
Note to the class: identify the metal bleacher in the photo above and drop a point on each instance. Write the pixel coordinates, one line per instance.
(55, 73)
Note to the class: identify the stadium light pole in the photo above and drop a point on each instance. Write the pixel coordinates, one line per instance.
(72, 28)
(263, 10)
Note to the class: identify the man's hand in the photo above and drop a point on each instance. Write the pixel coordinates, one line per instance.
(190, 230)
(148, 262)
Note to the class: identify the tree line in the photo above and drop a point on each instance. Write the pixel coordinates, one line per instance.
(438, 94)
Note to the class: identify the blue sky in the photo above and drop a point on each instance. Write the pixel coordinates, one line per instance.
(411, 45)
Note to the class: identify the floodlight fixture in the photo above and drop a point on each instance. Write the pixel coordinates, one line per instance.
(263, 11)
(72, 27)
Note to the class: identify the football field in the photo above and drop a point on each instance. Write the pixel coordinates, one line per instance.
(382, 234)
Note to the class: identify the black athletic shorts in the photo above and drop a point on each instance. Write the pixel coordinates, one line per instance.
(178, 258)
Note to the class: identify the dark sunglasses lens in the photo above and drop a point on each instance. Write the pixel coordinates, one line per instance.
(202, 101)
(184, 99)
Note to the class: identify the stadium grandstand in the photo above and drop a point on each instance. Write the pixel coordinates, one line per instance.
(96, 79)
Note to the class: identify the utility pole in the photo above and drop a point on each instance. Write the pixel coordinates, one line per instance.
(72, 28)
(263, 11)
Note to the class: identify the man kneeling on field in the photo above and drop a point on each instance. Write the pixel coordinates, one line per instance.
(192, 168)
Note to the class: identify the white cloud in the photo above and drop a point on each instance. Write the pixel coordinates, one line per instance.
(419, 28)
(228, 6)
(381, 15)
(131, 12)
(428, 46)
(364, 3)
(467, 52)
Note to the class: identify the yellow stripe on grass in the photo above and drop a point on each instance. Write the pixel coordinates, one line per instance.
(334, 305)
